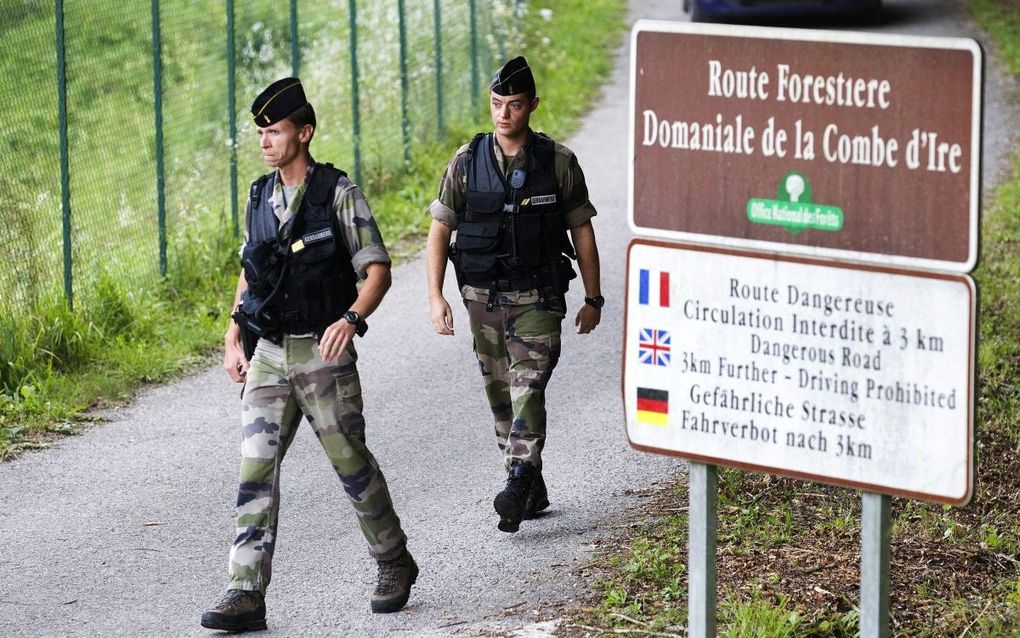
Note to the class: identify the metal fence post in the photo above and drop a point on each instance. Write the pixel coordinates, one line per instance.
(500, 40)
(295, 51)
(703, 483)
(355, 107)
(490, 62)
(65, 177)
(475, 88)
(875, 531)
(157, 90)
(438, 37)
(405, 123)
(232, 117)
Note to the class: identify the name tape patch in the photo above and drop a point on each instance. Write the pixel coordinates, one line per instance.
(317, 236)
(538, 200)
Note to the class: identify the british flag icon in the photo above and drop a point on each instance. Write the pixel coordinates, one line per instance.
(653, 347)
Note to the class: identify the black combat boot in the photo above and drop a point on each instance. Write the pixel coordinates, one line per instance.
(239, 610)
(511, 501)
(538, 498)
(395, 579)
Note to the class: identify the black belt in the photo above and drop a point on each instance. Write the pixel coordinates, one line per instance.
(521, 283)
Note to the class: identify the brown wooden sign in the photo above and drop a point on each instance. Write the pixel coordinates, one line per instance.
(832, 144)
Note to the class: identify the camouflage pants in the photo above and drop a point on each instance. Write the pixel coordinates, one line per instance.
(517, 347)
(283, 383)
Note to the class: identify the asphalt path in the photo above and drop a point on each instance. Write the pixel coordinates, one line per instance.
(124, 530)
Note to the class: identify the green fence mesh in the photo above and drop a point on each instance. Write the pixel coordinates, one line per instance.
(114, 52)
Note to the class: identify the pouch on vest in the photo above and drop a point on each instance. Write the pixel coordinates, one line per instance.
(249, 340)
(564, 273)
(531, 232)
(259, 315)
(253, 323)
(262, 266)
(480, 234)
(324, 286)
(478, 245)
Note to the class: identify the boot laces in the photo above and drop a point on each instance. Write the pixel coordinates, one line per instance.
(389, 572)
(235, 598)
(517, 484)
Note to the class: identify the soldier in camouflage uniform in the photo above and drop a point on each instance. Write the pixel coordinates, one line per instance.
(520, 206)
(309, 236)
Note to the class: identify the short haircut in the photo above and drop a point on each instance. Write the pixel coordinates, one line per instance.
(303, 115)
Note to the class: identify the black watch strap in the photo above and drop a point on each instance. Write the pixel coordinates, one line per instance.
(360, 325)
(595, 302)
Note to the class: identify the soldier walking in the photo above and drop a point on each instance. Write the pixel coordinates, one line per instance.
(519, 204)
(309, 237)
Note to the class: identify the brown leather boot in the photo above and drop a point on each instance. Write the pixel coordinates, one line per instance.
(239, 610)
(394, 587)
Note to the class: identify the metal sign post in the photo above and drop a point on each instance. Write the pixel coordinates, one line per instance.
(875, 526)
(703, 483)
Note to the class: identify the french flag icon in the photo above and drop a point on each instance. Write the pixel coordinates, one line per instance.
(653, 288)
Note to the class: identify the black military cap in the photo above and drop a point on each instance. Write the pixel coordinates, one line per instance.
(515, 77)
(280, 99)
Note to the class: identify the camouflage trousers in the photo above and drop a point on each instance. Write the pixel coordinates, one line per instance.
(285, 382)
(517, 347)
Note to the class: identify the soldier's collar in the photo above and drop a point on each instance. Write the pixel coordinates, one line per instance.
(527, 143)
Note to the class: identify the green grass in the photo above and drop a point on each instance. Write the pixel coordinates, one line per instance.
(788, 551)
(1001, 19)
(60, 363)
(131, 327)
(565, 51)
(759, 618)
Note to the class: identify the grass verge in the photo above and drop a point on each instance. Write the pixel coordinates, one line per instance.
(55, 365)
(789, 551)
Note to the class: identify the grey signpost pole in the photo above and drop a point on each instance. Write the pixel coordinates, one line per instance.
(875, 525)
(704, 487)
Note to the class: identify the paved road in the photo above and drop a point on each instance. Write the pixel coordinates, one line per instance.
(124, 531)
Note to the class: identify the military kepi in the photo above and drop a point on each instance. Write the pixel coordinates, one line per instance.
(280, 99)
(515, 77)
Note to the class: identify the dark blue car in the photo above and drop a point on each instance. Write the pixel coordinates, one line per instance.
(740, 10)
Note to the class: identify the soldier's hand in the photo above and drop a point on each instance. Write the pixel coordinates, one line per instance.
(335, 339)
(234, 362)
(442, 315)
(587, 318)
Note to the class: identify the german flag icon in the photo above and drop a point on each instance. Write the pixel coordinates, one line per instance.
(652, 406)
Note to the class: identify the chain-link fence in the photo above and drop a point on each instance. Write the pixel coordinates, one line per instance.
(124, 126)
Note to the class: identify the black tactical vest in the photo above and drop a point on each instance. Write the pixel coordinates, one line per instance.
(314, 282)
(511, 234)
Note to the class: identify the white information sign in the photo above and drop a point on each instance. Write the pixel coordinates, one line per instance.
(853, 375)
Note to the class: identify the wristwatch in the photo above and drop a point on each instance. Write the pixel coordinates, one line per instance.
(360, 325)
(595, 302)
